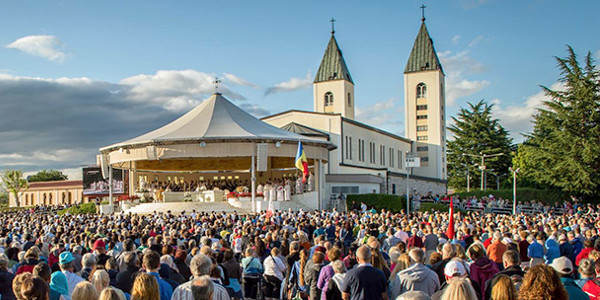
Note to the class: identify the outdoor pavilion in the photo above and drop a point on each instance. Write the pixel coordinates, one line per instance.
(215, 136)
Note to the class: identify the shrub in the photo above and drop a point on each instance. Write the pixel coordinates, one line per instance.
(425, 207)
(392, 203)
(81, 209)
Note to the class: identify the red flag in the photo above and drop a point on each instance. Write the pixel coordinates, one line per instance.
(450, 231)
(270, 210)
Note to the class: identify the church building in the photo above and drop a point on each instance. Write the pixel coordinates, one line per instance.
(369, 159)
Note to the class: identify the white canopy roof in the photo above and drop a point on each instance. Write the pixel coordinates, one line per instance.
(217, 119)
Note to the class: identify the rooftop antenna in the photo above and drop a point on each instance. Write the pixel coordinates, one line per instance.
(332, 26)
(423, 12)
(216, 82)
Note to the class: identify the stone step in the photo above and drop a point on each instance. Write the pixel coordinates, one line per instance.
(178, 207)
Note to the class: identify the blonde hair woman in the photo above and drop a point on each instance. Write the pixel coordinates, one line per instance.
(145, 287)
(459, 288)
(503, 289)
(84, 291)
(111, 293)
(100, 280)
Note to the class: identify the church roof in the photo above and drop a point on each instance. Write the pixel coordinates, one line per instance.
(333, 66)
(423, 56)
(304, 130)
(217, 119)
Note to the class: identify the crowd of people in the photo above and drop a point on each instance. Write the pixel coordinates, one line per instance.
(359, 254)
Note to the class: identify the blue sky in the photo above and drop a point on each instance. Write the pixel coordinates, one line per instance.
(78, 75)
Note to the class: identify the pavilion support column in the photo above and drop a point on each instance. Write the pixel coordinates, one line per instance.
(318, 186)
(253, 179)
(110, 185)
(132, 177)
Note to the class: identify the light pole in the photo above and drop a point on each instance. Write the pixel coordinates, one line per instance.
(514, 172)
(468, 177)
(482, 165)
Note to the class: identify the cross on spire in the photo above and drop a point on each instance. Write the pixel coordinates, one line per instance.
(216, 83)
(423, 12)
(332, 26)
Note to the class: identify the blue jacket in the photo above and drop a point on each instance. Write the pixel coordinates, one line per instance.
(535, 250)
(166, 291)
(552, 251)
(574, 291)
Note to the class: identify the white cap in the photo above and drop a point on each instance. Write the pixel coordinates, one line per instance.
(455, 268)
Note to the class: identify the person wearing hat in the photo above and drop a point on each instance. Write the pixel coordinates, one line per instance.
(454, 268)
(66, 262)
(564, 267)
(100, 252)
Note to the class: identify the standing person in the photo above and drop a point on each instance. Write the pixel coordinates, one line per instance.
(430, 243)
(459, 288)
(417, 276)
(151, 263)
(542, 282)
(35, 288)
(199, 266)
(67, 267)
(448, 253)
(125, 278)
(84, 291)
(6, 279)
(334, 285)
(311, 275)
(503, 289)
(496, 249)
(327, 272)
(274, 274)
(482, 268)
(364, 282)
(535, 251)
(145, 287)
(564, 267)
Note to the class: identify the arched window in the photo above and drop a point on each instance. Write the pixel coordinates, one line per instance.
(349, 99)
(328, 99)
(421, 90)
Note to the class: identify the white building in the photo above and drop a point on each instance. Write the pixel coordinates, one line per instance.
(368, 159)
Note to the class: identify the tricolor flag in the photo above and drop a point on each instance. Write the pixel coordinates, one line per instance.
(450, 231)
(302, 162)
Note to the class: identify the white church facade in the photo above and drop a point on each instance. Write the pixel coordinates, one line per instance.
(368, 159)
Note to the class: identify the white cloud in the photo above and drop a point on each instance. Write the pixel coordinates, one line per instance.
(384, 114)
(598, 54)
(45, 46)
(518, 118)
(456, 39)
(42, 158)
(174, 90)
(475, 41)
(239, 81)
(291, 85)
(457, 66)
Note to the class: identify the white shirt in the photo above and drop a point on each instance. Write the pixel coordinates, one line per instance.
(184, 292)
(274, 267)
(72, 280)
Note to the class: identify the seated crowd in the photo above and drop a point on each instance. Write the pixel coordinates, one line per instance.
(323, 255)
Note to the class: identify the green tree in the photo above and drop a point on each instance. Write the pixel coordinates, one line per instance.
(476, 133)
(564, 148)
(3, 197)
(13, 182)
(47, 175)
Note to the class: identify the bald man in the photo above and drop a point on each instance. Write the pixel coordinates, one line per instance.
(364, 282)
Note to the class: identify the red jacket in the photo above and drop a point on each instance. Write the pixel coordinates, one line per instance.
(585, 252)
(592, 289)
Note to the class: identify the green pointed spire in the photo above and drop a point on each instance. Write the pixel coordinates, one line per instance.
(423, 56)
(333, 66)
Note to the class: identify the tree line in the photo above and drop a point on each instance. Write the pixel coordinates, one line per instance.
(562, 152)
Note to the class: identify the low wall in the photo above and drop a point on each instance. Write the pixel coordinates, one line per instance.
(305, 201)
